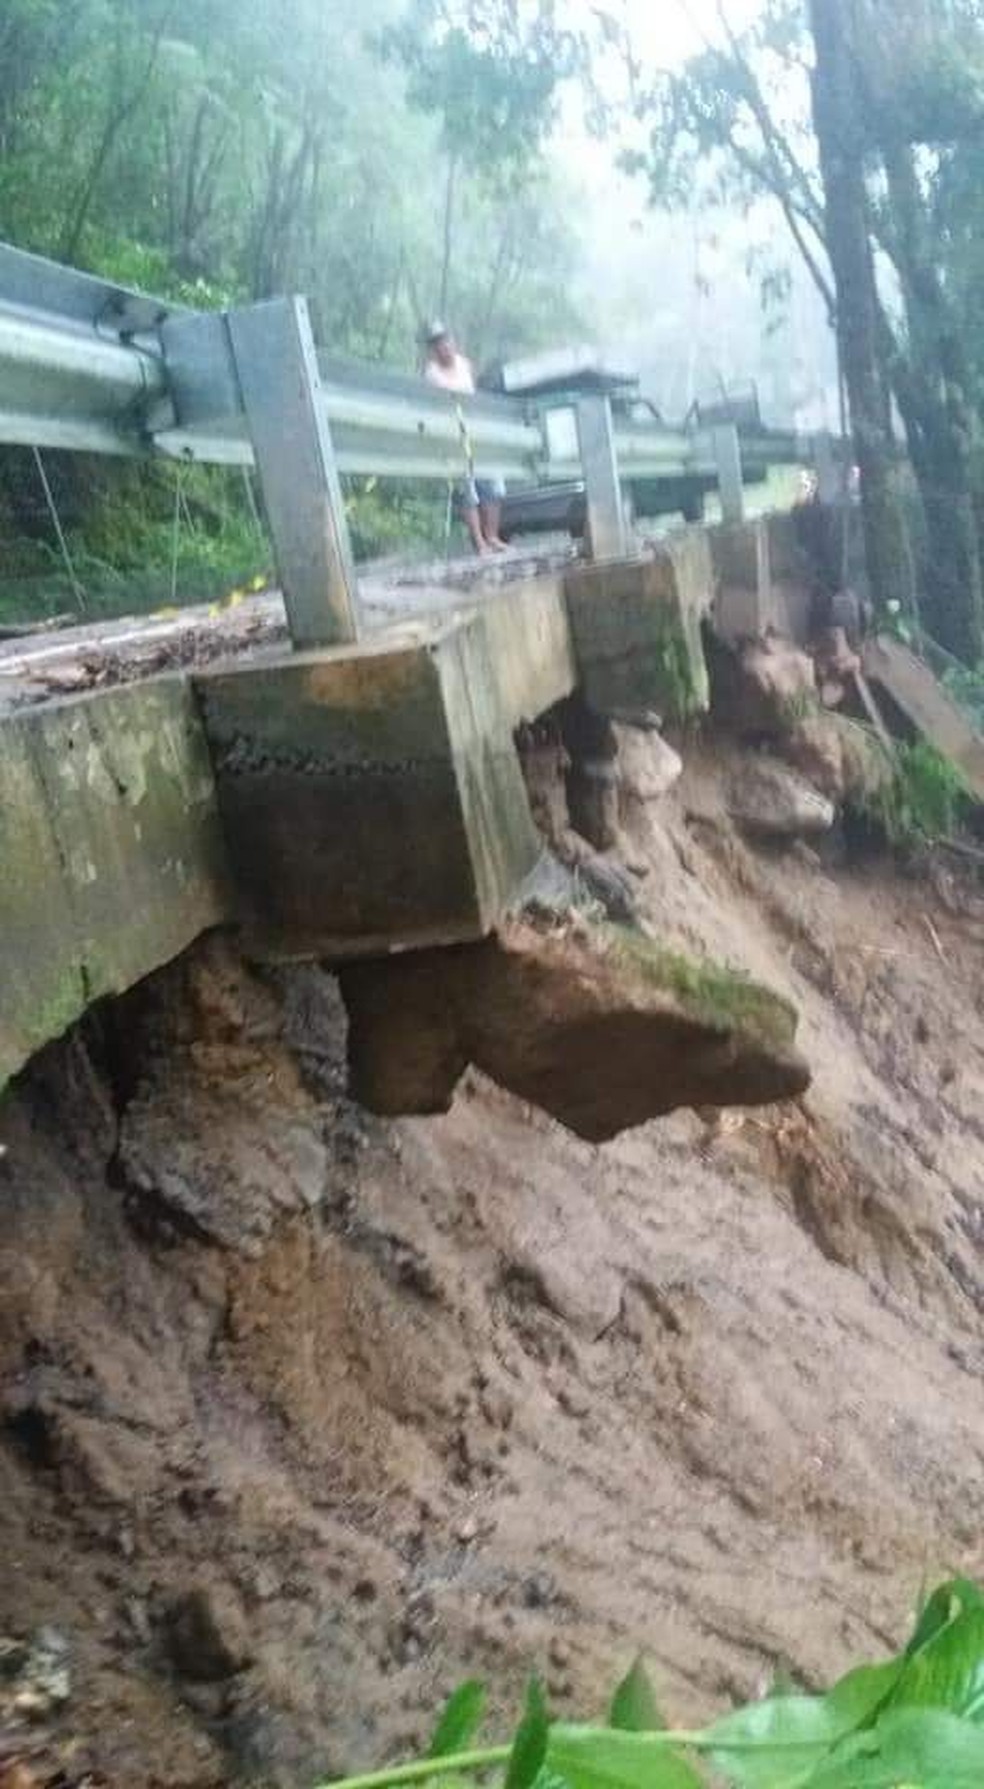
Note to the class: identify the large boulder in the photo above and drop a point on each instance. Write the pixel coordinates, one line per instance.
(599, 1026)
(843, 758)
(647, 766)
(767, 798)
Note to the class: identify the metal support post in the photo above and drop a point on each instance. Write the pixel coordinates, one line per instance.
(606, 532)
(277, 370)
(727, 458)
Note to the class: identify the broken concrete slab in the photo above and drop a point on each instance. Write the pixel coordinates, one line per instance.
(599, 1026)
(926, 706)
(111, 849)
(371, 796)
(636, 626)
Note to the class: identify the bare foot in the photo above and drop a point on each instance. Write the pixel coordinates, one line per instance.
(497, 545)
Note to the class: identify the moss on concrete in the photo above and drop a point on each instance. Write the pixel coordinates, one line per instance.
(636, 626)
(111, 850)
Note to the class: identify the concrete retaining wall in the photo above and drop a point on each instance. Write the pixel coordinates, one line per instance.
(111, 852)
(363, 799)
(371, 799)
(636, 628)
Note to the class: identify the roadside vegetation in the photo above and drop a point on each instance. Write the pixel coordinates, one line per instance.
(925, 799)
(915, 1721)
(199, 151)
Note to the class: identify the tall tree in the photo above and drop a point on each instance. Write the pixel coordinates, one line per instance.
(491, 78)
(838, 117)
(895, 98)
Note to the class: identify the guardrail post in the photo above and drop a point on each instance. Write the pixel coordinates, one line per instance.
(727, 458)
(606, 533)
(277, 369)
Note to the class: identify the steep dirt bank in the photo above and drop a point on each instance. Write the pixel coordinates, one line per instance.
(305, 1414)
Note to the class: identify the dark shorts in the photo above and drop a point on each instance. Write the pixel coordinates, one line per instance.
(475, 493)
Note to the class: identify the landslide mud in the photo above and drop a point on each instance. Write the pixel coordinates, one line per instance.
(304, 1415)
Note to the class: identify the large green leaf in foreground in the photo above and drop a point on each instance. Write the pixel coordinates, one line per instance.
(601, 1758)
(913, 1722)
(777, 1744)
(634, 1707)
(907, 1748)
(460, 1719)
(529, 1747)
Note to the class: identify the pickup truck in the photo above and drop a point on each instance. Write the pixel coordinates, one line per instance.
(557, 378)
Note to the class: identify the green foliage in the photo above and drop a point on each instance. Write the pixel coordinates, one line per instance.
(923, 800)
(602, 1758)
(119, 523)
(529, 1746)
(714, 995)
(678, 667)
(390, 515)
(216, 153)
(492, 81)
(202, 151)
(915, 1721)
(460, 1719)
(634, 1707)
(966, 686)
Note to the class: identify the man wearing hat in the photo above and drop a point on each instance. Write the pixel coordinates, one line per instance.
(479, 499)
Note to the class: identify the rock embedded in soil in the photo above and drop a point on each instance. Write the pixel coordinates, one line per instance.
(771, 680)
(596, 1025)
(767, 798)
(844, 759)
(648, 767)
(208, 1636)
(34, 1678)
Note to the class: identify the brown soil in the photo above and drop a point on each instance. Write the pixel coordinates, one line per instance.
(401, 1401)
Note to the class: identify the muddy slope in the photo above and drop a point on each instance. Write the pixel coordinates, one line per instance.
(306, 1414)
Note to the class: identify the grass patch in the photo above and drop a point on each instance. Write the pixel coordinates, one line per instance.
(721, 998)
(925, 799)
(966, 686)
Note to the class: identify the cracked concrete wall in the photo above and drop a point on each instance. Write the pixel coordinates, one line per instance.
(111, 853)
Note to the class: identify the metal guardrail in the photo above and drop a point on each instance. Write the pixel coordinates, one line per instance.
(87, 365)
(79, 360)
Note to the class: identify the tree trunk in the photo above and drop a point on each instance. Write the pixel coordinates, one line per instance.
(442, 302)
(838, 123)
(121, 109)
(952, 577)
(932, 383)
